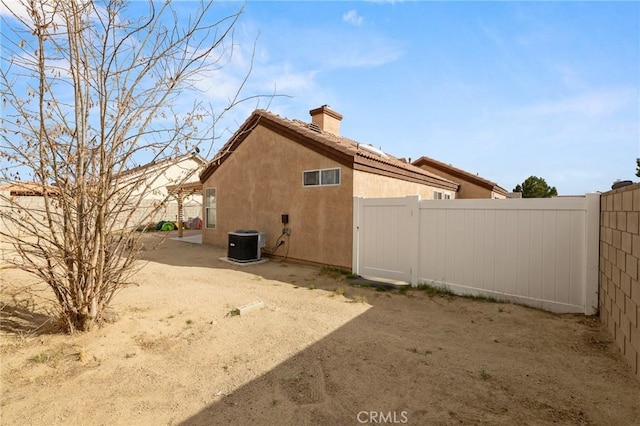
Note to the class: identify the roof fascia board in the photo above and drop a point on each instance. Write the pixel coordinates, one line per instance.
(291, 134)
(321, 148)
(462, 174)
(371, 166)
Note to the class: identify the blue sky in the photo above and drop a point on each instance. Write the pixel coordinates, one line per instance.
(502, 89)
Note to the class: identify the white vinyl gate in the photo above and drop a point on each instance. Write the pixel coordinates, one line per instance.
(539, 252)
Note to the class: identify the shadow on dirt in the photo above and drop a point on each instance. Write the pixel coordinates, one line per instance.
(422, 365)
(18, 320)
(409, 358)
(160, 248)
(418, 364)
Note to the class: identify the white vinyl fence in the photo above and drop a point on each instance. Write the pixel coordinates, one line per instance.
(538, 252)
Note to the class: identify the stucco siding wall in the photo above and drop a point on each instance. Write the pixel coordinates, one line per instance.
(263, 180)
(497, 196)
(467, 189)
(620, 270)
(368, 185)
(152, 183)
(471, 191)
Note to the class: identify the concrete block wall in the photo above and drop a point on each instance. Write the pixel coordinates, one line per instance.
(620, 270)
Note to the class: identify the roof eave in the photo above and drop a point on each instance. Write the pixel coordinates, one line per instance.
(260, 118)
(462, 174)
(372, 166)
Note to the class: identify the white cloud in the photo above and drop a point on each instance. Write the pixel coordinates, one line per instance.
(590, 104)
(20, 9)
(352, 17)
(289, 81)
(571, 78)
(12, 8)
(361, 53)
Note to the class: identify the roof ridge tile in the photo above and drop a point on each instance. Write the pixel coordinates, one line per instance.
(339, 143)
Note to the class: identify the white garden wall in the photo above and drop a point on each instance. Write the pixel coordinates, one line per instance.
(36, 206)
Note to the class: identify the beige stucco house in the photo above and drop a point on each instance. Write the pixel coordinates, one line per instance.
(471, 186)
(274, 166)
(150, 189)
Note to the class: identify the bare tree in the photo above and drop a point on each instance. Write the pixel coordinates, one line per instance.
(88, 91)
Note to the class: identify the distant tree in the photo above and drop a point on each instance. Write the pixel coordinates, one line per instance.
(535, 187)
(638, 167)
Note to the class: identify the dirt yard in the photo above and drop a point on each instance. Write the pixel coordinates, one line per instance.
(321, 352)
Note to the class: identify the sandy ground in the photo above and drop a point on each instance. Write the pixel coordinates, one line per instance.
(321, 352)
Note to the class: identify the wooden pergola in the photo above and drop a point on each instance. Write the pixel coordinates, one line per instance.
(180, 191)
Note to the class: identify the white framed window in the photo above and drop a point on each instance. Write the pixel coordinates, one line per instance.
(439, 195)
(321, 177)
(210, 208)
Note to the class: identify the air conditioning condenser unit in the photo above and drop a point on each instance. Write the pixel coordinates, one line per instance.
(245, 245)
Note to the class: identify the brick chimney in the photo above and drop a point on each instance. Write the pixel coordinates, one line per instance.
(327, 119)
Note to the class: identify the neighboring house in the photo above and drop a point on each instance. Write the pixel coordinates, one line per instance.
(273, 166)
(28, 189)
(149, 185)
(144, 196)
(471, 186)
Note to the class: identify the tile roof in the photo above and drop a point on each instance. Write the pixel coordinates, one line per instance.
(28, 188)
(164, 162)
(347, 151)
(448, 168)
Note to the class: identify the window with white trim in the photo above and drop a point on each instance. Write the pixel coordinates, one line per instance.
(439, 195)
(210, 208)
(321, 177)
